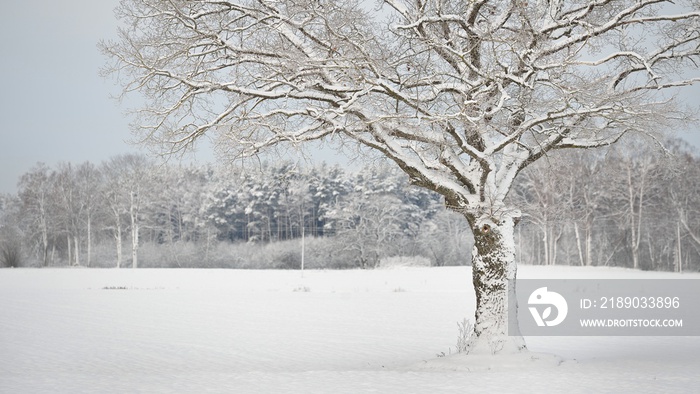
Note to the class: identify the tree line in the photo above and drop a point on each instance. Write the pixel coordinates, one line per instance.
(633, 205)
(130, 211)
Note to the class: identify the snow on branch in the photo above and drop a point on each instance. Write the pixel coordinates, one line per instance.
(462, 95)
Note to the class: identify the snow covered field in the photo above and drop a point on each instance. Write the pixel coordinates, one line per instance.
(228, 331)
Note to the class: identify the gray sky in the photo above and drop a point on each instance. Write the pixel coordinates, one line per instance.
(53, 104)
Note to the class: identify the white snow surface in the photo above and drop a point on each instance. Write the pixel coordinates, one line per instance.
(236, 331)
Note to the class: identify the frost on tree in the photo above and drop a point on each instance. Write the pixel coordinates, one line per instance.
(461, 95)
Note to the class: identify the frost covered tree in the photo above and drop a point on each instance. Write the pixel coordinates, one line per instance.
(69, 209)
(36, 196)
(461, 95)
(11, 234)
(369, 224)
(126, 194)
(75, 195)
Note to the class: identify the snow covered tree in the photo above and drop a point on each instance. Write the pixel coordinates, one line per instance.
(88, 181)
(124, 193)
(684, 195)
(35, 194)
(638, 165)
(10, 231)
(328, 185)
(114, 205)
(461, 95)
(69, 209)
(541, 194)
(75, 196)
(368, 226)
(177, 210)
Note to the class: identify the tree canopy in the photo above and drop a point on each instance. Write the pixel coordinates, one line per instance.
(460, 94)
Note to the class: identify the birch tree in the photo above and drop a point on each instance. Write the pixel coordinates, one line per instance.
(124, 195)
(35, 194)
(88, 181)
(69, 209)
(461, 95)
(111, 194)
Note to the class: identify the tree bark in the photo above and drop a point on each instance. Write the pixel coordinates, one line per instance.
(493, 274)
(134, 215)
(70, 247)
(44, 233)
(118, 240)
(118, 237)
(89, 239)
(76, 258)
(581, 259)
(134, 242)
(679, 250)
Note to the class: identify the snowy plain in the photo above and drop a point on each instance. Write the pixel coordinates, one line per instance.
(235, 331)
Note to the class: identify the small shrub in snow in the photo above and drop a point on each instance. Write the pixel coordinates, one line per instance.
(10, 255)
(465, 332)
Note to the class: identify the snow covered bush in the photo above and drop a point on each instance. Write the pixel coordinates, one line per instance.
(404, 262)
(10, 253)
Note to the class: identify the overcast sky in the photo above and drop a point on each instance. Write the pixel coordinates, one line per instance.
(53, 104)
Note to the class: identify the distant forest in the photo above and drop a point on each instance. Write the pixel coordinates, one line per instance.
(632, 205)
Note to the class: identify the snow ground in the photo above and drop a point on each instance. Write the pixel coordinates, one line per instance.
(230, 331)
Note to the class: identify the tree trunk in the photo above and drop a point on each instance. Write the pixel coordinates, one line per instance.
(44, 232)
(45, 242)
(134, 243)
(545, 243)
(118, 240)
(635, 218)
(589, 244)
(493, 275)
(134, 215)
(118, 237)
(581, 259)
(70, 245)
(89, 240)
(76, 242)
(555, 246)
(679, 250)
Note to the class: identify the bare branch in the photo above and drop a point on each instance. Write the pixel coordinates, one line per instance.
(462, 95)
